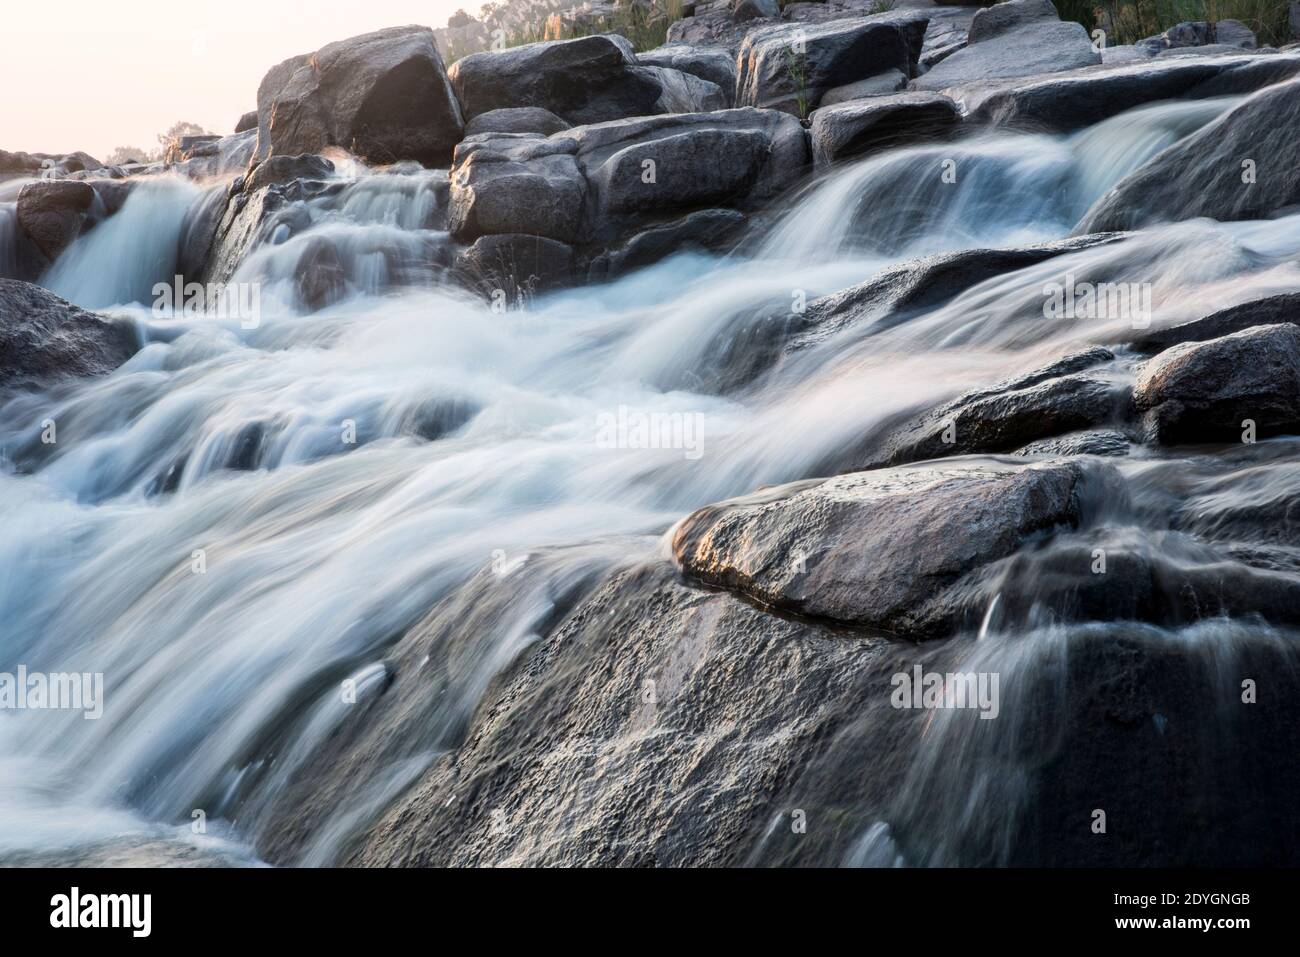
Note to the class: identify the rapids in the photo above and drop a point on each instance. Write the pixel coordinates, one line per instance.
(239, 519)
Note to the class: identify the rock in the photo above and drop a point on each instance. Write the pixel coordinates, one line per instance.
(44, 338)
(247, 122)
(1049, 402)
(587, 80)
(742, 10)
(1258, 312)
(707, 229)
(383, 96)
(1093, 442)
(1234, 33)
(860, 127)
(1005, 17)
(1201, 392)
(523, 119)
(708, 63)
(684, 93)
(1066, 101)
(664, 166)
(279, 170)
(52, 212)
(1202, 174)
(226, 156)
(891, 81)
(1293, 19)
(515, 265)
(18, 162)
(516, 183)
(884, 550)
(1013, 39)
(773, 72)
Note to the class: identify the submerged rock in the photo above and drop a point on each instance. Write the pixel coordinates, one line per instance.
(44, 338)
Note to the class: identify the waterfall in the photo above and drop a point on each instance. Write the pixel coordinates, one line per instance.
(239, 520)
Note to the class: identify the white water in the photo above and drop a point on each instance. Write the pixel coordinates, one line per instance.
(475, 435)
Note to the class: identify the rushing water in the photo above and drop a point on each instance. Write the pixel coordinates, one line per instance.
(239, 517)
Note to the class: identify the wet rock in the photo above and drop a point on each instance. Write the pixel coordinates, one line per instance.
(1048, 402)
(1244, 165)
(279, 170)
(1070, 100)
(319, 276)
(52, 213)
(1095, 442)
(1210, 391)
(44, 338)
(225, 156)
(790, 67)
(860, 127)
(516, 183)
(508, 267)
(383, 96)
(1016, 38)
(884, 550)
(522, 119)
(587, 80)
(707, 229)
(1258, 312)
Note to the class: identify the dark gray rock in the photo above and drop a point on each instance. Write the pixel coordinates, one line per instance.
(1048, 402)
(522, 119)
(516, 183)
(1013, 39)
(383, 96)
(1066, 101)
(1201, 392)
(790, 67)
(707, 229)
(1207, 173)
(226, 156)
(279, 170)
(1095, 442)
(884, 550)
(44, 338)
(1258, 312)
(247, 122)
(714, 64)
(742, 10)
(882, 84)
(52, 212)
(587, 80)
(515, 265)
(859, 127)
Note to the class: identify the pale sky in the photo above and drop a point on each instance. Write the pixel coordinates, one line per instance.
(90, 75)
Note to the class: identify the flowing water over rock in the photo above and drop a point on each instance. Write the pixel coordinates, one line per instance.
(406, 485)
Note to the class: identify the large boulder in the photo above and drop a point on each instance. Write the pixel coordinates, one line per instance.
(885, 549)
(44, 338)
(708, 63)
(383, 96)
(1066, 101)
(1016, 38)
(52, 212)
(1244, 165)
(859, 127)
(520, 119)
(516, 183)
(587, 80)
(792, 66)
(600, 183)
(1210, 391)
